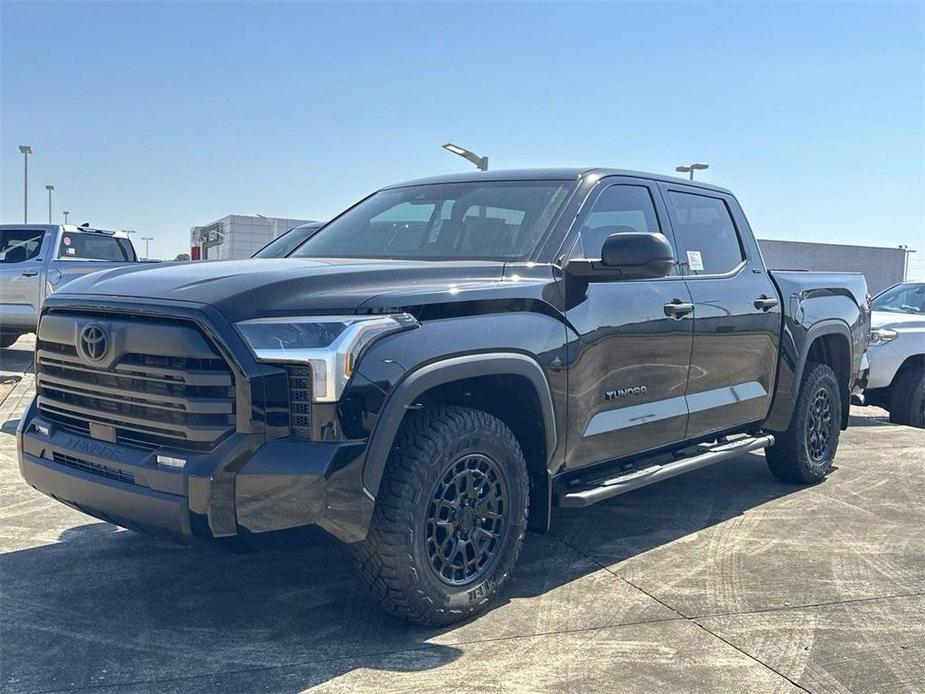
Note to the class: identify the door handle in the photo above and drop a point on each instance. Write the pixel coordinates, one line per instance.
(677, 308)
(30, 273)
(765, 303)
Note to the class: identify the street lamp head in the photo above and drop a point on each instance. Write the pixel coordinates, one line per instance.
(480, 162)
(25, 149)
(691, 168)
(696, 166)
(49, 187)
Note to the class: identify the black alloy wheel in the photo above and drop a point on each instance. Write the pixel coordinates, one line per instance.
(820, 427)
(465, 524)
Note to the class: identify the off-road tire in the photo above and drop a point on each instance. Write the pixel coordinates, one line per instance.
(790, 458)
(394, 558)
(7, 339)
(907, 397)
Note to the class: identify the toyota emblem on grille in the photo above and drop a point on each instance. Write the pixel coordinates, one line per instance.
(94, 342)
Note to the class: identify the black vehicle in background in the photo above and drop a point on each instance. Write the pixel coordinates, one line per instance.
(439, 366)
(287, 242)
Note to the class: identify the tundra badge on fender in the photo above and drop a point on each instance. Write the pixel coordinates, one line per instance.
(624, 392)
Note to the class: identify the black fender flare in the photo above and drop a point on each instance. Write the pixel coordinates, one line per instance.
(831, 326)
(438, 373)
(781, 410)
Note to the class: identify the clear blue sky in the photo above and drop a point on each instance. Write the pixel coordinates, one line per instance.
(159, 116)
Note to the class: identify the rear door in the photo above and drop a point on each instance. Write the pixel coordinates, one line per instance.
(737, 316)
(628, 369)
(21, 277)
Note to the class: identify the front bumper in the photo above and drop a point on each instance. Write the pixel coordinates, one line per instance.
(246, 485)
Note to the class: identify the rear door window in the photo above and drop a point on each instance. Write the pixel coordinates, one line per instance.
(20, 245)
(92, 247)
(704, 228)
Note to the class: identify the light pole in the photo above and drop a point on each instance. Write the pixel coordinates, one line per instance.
(49, 188)
(25, 150)
(906, 251)
(274, 222)
(480, 162)
(66, 213)
(147, 239)
(691, 168)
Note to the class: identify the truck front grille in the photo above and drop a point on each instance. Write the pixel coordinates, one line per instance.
(162, 384)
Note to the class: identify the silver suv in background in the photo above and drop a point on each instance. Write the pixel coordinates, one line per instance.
(37, 259)
(897, 353)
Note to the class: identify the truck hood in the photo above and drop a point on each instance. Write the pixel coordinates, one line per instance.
(897, 321)
(296, 286)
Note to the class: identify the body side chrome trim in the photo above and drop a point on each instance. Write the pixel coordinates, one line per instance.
(658, 410)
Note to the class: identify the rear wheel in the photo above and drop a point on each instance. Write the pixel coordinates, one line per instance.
(450, 517)
(907, 397)
(805, 452)
(7, 339)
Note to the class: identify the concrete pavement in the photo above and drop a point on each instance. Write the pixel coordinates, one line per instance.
(721, 580)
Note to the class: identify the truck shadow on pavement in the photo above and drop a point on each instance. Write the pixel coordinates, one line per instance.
(107, 607)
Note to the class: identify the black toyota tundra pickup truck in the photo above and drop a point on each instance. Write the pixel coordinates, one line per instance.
(438, 367)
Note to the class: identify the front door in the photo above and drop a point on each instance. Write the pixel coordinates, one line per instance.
(628, 368)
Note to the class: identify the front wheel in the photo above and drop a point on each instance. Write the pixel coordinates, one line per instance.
(449, 519)
(805, 452)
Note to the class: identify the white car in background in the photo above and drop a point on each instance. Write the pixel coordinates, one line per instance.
(897, 353)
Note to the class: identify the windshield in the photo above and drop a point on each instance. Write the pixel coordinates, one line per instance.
(491, 220)
(283, 245)
(903, 298)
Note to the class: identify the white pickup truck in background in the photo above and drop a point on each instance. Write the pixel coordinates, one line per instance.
(37, 259)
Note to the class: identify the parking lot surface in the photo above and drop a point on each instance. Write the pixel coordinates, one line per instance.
(720, 580)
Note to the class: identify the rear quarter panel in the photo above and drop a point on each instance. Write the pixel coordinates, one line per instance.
(816, 304)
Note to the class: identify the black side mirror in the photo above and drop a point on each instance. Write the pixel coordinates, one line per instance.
(627, 256)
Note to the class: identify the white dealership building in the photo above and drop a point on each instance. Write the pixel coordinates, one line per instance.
(237, 236)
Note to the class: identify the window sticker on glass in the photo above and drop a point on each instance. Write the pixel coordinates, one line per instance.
(66, 240)
(694, 260)
(72, 251)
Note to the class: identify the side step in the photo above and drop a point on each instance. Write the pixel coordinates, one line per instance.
(656, 473)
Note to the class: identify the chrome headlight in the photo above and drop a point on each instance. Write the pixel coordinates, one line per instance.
(881, 336)
(330, 345)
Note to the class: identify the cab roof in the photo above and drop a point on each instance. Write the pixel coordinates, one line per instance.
(552, 174)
